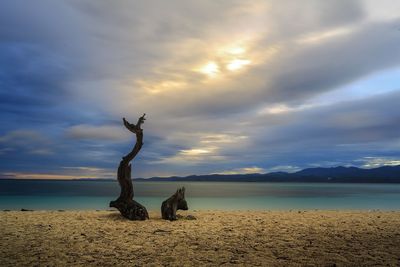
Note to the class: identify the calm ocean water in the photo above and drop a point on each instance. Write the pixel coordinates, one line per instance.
(17, 194)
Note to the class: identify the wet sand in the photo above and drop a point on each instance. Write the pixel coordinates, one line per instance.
(215, 238)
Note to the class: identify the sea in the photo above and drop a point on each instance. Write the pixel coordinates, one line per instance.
(90, 195)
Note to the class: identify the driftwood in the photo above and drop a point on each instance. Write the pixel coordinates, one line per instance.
(128, 207)
(171, 205)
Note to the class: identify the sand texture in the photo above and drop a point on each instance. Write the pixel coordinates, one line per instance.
(271, 238)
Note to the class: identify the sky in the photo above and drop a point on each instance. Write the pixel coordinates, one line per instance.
(227, 86)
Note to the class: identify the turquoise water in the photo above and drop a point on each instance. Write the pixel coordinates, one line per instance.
(52, 195)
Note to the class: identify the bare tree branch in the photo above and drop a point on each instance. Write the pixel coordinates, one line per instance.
(128, 207)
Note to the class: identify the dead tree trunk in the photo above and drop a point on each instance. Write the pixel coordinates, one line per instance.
(128, 207)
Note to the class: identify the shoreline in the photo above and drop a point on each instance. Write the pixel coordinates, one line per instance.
(247, 238)
(155, 211)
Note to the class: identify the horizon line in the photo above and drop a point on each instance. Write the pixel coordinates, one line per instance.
(184, 176)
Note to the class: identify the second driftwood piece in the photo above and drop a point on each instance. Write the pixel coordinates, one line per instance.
(128, 207)
(171, 205)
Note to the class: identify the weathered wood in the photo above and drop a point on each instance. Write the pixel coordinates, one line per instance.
(171, 205)
(128, 207)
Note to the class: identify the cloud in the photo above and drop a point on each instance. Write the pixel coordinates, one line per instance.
(206, 148)
(44, 176)
(103, 132)
(245, 170)
(193, 156)
(375, 162)
(25, 141)
(351, 122)
(22, 137)
(152, 65)
(284, 168)
(65, 173)
(283, 72)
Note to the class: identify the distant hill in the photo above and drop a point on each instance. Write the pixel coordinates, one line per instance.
(386, 174)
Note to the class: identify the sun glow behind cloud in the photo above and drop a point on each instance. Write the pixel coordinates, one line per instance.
(237, 64)
(226, 59)
(223, 60)
(211, 69)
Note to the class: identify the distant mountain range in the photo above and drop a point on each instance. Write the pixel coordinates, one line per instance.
(385, 174)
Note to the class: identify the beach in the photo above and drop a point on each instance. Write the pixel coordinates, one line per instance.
(214, 238)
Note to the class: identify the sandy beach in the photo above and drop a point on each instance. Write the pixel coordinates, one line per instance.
(270, 238)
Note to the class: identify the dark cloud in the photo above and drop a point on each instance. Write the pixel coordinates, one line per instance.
(335, 133)
(315, 69)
